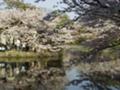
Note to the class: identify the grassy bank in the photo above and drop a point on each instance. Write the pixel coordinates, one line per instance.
(18, 54)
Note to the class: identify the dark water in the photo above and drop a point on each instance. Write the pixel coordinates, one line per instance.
(10, 69)
(76, 80)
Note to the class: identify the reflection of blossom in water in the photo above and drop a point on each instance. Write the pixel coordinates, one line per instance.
(23, 69)
(79, 81)
(2, 64)
(16, 71)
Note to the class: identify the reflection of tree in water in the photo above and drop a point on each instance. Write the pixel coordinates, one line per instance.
(80, 81)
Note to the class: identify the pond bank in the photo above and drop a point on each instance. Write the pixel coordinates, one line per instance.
(26, 54)
(18, 54)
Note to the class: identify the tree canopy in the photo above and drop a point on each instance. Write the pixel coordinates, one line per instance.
(18, 4)
(91, 12)
(102, 8)
(95, 11)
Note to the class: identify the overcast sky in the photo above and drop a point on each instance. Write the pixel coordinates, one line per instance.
(48, 4)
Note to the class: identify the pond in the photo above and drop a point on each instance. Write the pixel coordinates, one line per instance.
(80, 81)
(11, 69)
(37, 75)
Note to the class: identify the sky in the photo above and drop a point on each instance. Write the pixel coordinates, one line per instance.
(49, 5)
(1, 4)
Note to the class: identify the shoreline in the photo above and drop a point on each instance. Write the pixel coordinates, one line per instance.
(18, 54)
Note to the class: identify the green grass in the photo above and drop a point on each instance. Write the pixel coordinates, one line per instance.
(80, 48)
(18, 54)
(21, 56)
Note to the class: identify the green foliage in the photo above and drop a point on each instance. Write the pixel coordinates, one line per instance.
(56, 13)
(64, 21)
(17, 4)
